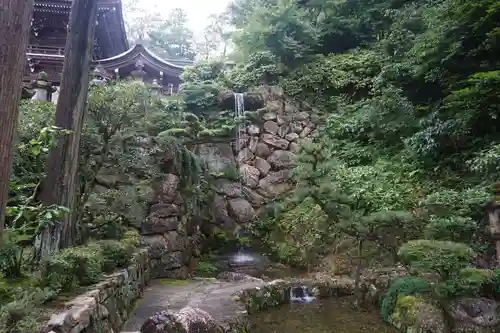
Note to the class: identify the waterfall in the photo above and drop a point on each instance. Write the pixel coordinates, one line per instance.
(239, 109)
(301, 294)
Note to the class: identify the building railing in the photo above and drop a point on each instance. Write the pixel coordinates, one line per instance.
(36, 49)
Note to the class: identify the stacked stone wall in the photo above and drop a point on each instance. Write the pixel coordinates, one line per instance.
(106, 306)
(166, 233)
(264, 155)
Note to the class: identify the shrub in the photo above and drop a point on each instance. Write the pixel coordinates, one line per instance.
(72, 267)
(405, 286)
(469, 281)
(115, 254)
(132, 238)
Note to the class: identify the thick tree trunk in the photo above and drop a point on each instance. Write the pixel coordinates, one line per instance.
(60, 186)
(15, 16)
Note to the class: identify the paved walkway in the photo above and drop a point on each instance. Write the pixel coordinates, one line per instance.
(215, 297)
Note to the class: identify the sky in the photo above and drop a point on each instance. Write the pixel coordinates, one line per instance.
(197, 10)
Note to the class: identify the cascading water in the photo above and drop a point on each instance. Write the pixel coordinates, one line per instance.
(239, 109)
(301, 294)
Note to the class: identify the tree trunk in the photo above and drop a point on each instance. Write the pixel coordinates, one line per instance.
(60, 185)
(494, 220)
(15, 16)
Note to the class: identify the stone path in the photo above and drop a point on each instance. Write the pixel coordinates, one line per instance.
(212, 296)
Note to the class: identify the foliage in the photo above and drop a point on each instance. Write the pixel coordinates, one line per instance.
(409, 146)
(116, 254)
(443, 258)
(405, 286)
(206, 266)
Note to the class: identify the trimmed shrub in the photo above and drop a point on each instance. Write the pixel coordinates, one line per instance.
(73, 267)
(405, 286)
(115, 254)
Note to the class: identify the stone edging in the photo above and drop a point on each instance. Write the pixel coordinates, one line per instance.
(106, 305)
(277, 292)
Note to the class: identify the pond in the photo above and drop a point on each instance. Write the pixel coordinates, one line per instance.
(325, 316)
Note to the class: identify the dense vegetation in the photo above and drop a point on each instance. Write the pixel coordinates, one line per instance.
(408, 150)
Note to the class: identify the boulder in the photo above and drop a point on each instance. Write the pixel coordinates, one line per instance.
(187, 320)
(157, 245)
(165, 210)
(480, 311)
(269, 116)
(275, 141)
(275, 183)
(228, 188)
(155, 224)
(249, 175)
(262, 150)
(253, 197)
(271, 127)
(218, 156)
(162, 322)
(221, 214)
(262, 165)
(241, 210)
(301, 116)
(292, 136)
(168, 189)
(282, 159)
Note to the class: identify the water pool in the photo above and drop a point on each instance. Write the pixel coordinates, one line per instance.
(335, 315)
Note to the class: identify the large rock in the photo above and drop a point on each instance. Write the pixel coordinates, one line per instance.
(252, 101)
(253, 197)
(165, 210)
(275, 141)
(221, 214)
(157, 224)
(242, 210)
(271, 127)
(282, 159)
(275, 184)
(262, 150)
(162, 322)
(249, 175)
(168, 190)
(218, 156)
(262, 165)
(187, 320)
(228, 188)
(157, 245)
(482, 312)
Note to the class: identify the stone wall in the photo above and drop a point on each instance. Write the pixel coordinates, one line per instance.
(106, 306)
(166, 233)
(263, 157)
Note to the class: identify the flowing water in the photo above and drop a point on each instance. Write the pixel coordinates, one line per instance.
(335, 315)
(239, 108)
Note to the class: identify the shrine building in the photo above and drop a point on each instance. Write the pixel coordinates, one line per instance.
(112, 56)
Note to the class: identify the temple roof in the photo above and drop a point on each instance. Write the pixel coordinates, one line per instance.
(110, 27)
(140, 54)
